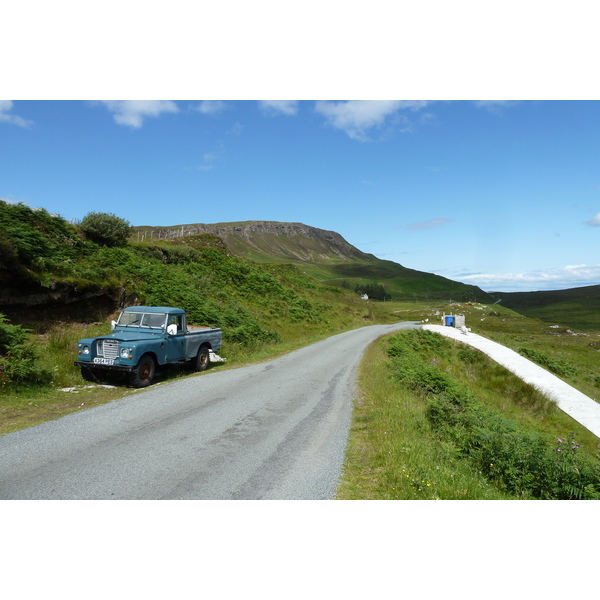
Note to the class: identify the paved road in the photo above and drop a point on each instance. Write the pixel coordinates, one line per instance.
(274, 430)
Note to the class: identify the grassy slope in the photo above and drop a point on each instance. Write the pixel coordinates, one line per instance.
(399, 281)
(577, 307)
(395, 452)
(390, 453)
(577, 352)
(336, 262)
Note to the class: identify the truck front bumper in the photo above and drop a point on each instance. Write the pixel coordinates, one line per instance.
(101, 367)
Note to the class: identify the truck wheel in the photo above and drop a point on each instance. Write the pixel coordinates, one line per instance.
(201, 360)
(143, 374)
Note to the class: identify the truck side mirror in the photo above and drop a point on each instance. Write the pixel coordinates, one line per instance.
(172, 329)
(113, 324)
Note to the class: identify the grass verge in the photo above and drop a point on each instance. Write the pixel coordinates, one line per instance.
(570, 354)
(435, 420)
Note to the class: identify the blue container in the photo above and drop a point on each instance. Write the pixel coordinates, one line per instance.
(449, 321)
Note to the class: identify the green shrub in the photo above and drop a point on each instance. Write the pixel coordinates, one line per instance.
(34, 238)
(10, 335)
(374, 290)
(249, 301)
(513, 456)
(518, 460)
(420, 341)
(556, 365)
(106, 228)
(19, 362)
(470, 356)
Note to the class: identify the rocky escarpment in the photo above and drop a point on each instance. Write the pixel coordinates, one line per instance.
(271, 238)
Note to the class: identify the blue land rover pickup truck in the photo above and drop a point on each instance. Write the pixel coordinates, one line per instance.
(143, 338)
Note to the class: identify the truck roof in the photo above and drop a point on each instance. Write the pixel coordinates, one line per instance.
(155, 309)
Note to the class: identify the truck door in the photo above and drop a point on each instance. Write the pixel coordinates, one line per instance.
(176, 343)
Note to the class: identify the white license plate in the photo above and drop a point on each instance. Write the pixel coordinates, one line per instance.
(104, 361)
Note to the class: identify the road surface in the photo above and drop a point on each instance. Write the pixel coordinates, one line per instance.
(274, 430)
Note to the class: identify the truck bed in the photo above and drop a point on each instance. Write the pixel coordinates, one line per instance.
(198, 328)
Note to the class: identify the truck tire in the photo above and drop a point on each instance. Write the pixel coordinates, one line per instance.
(201, 361)
(143, 373)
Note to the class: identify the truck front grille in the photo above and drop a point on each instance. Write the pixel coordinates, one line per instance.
(107, 348)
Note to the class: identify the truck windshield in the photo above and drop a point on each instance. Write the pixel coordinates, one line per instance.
(151, 320)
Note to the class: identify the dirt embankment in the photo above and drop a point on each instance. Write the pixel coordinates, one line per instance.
(63, 303)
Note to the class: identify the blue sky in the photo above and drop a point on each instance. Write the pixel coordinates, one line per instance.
(504, 195)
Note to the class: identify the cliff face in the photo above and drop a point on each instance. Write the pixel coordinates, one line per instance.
(271, 239)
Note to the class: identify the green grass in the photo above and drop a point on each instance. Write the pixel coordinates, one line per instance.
(333, 261)
(438, 420)
(262, 309)
(577, 307)
(576, 353)
(391, 452)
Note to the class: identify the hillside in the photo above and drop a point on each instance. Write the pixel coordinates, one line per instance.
(269, 241)
(51, 271)
(62, 286)
(577, 307)
(325, 255)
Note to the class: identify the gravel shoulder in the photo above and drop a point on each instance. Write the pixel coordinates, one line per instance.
(577, 405)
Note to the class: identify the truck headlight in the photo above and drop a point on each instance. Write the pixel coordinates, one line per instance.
(125, 353)
(86, 349)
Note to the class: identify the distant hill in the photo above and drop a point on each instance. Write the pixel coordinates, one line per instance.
(325, 255)
(268, 241)
(576, 307)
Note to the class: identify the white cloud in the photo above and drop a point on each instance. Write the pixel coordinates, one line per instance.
(209, 159)
(211, 107)
(594, 221)
(9, 200)
(133, 112)
(428, 224)
(236, 129)
(553, 279)
(495, 106)
(356, 117)
(5, 116)
(279, 107)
